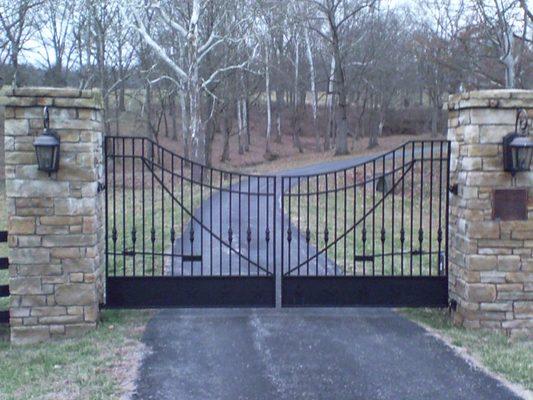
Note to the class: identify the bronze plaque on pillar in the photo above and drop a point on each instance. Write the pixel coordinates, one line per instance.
(509, 204)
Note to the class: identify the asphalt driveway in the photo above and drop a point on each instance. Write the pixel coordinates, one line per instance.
(348, 353)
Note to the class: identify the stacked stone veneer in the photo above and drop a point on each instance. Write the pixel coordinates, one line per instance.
(54, 222)
(491, 261)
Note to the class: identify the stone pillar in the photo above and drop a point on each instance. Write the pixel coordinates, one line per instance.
(491, 257)
(55, 222)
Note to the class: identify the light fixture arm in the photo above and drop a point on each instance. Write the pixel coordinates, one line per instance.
(522, 122)
(46, 118)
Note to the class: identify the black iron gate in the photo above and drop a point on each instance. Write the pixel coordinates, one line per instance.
(372, 234)
(182, 234)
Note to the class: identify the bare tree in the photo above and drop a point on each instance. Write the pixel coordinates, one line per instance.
(499, 21)
(17, 18)
(55, 22)
(200, 38)
(337, 14)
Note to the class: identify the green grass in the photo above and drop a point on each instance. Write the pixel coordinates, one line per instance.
(512, 359)
(89, 367)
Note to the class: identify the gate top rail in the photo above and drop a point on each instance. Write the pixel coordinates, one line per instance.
(143, 139)
(385, 155)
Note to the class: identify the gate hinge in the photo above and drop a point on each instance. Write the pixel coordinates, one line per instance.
(100, 187)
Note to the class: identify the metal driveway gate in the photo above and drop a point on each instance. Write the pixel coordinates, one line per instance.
(182, 234)
(373, 234)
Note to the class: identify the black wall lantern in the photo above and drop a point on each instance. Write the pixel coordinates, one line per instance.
(518, 146)
(47, 147)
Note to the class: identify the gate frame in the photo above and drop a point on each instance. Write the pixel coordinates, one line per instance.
(368, 291)
(183, 290)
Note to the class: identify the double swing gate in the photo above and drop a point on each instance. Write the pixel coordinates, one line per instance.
(182, 234)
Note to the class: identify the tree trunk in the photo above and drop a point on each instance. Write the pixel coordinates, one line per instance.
(508, 60)
(434, 120)
(172, 107)
(330, 104)
(269, 105)
(197, 132)
(185, 135)
(296, 129)
(226, 131)
(247, 124)
(210, 128)
(375, 132)
(341, 115)
(240, 126)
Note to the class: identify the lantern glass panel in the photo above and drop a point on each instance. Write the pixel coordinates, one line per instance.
(45, 157)
(523, 155)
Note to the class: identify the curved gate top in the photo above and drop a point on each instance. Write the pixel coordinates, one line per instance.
(182, 234)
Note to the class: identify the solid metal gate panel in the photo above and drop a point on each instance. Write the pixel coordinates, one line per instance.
(375, 234)
(182, 234)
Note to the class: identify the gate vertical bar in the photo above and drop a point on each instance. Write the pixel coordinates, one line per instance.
(421, 230)
(106, 200)
(123, 160)
(430, 231)
(447, 203)
(133, 229)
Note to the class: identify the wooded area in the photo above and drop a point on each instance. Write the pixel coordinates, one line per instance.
(335, 69)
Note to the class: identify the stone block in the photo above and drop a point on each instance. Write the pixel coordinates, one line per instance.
(481, 292)
(32, 300)
(22, 335)
(20, 157)
(61, 319)
(21, 225)
(484, 150)
(507, 306)
(486, 116)
(478, 262)
(35, 255)
(492, 277)
(66, 252)
(16, 127)
(79, 329)
(76, 277)
(75, 294)
(518, 277)
(484, 229)
(36, 188)
(48, 311)
(39, 270)
(75, 207)
(57, 330)
(78, 240)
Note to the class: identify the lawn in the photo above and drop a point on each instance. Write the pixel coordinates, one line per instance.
(511, 359)
(99, 365)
